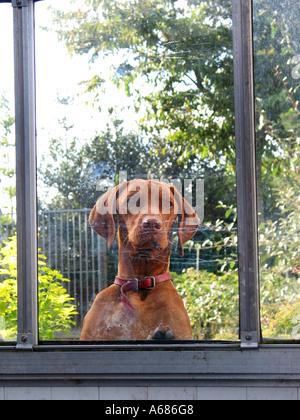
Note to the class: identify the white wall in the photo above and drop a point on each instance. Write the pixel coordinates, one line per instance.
(149, 393)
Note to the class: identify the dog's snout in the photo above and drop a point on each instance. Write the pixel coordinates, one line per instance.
(151, 224)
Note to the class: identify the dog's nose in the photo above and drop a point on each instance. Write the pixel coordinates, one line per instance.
(151, 223)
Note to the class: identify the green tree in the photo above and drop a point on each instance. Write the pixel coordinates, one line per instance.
(182, 51)
(276, 43)
(79, 174)
(76, 171)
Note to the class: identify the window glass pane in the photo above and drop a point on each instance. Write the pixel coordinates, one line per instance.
(277, 75)
(136, 90)
(8, 246)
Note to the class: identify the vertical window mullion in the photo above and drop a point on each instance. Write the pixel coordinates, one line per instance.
(246, 173)
(26, 174)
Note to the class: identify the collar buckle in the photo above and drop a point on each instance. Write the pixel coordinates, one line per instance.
(153, 281)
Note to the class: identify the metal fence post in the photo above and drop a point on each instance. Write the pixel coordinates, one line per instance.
(246, 173)
(26, 173)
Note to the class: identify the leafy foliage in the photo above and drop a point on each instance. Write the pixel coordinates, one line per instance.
(212, 302)
(55, 309)
(212, 299)
(181, 51)
(279, 246)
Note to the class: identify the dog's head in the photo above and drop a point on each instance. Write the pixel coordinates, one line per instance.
(144, 213)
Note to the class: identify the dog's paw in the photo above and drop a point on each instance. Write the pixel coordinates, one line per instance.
(162, 333)
(169, 334)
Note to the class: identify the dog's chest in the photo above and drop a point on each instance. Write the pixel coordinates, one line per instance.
(123, 325)
(117, 322)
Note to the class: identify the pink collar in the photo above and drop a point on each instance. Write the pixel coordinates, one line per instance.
(135, 285)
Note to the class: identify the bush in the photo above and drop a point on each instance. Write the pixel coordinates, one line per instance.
(55, 308)
(283, 323)
(279, 250)
(212, 302)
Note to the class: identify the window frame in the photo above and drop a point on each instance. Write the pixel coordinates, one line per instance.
(133, 363)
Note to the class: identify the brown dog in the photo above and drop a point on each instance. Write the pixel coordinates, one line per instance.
(143, 299)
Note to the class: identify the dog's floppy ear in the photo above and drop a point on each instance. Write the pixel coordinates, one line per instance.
(188, 221)
(102, 219)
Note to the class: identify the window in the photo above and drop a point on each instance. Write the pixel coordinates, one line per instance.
(276, 42)
(155, 100)
(149, 98)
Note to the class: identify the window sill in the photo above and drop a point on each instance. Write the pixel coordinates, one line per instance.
(207, 365)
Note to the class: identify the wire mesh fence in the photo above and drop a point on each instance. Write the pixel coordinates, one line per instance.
(75, 250)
